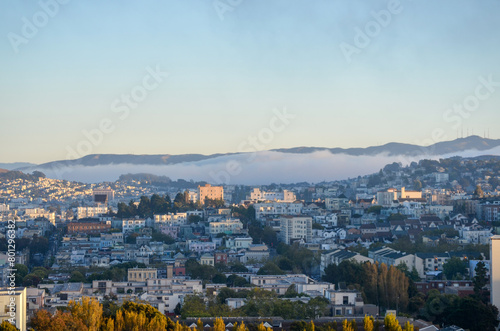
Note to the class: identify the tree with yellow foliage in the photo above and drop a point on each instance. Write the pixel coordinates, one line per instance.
(199, 325)
(408, 326)
(108, 325)
(89, 311)
(240, 327)
(368, 323)
(219, 324)
(347, 326)
(391, 323)
(261, 327)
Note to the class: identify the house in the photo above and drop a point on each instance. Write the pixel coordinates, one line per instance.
(392, 257)
(337, 256)
(207, 259)
(257, 252)
(345, 302)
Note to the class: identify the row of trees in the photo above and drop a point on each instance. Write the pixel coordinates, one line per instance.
(384, 286)
(258, 302)
(158, 204)
(90, 315)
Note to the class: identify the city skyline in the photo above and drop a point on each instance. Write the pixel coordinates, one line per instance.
(202, 77)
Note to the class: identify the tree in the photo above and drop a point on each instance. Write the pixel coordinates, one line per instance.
(21, 272)
(76, 277)
(39, 245)
(454, 267)
(375, 209)
(417, 185)
(480, 281)
(472, 314)
(478, 192)
(368, 323)
(317, 307)
(89, 311)
(144, 208)
(391, 323)
(164, 238)
(194, 306)
(240, 327)
(270, 269)
(317, 226)
(346, 326)
(219, 325)
(6, 326)
(408, 326)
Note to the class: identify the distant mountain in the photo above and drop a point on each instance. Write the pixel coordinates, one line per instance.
(108, 159)
(390, 149)
(16, 165)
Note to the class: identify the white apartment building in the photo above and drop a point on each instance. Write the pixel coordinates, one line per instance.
(258, 195)
(495, 270)
(441, 177)
(335, 203)
(132, 224)
(280, 283)
(83, 212)
(227, 226)
(295, 227)
(201, 246)
(476, 234)
(13, 306)
(388, 197)
(171, 219)
(270, 209)
(40, 212)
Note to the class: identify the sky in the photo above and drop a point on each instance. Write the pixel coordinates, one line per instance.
(201, 76)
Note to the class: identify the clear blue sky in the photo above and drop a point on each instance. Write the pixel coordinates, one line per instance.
(227, 75)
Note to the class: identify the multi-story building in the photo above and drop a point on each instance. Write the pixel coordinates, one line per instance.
(391, 257)
(142, 274)
(201, 246)
(339, 255)
(491, 211)
(88, 227)
(103, 195)
(40, 212)
(295, 228)
(227, 226)
(132, 224)
(281, 283)
(13, 306)
(85, 212)
(210, 192)
(284, 196)
(274, 209)
(476, 234)
(388, 197)
(495, 270)
(171, 219)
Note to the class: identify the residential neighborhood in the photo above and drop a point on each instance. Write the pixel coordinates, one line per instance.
(131, 241)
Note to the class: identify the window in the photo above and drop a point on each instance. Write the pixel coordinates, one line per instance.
(345, 300)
